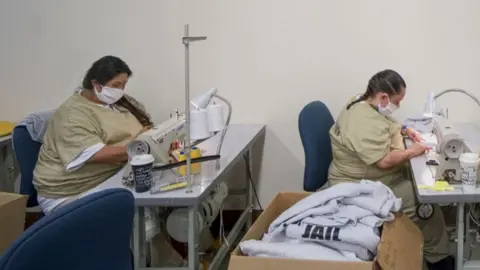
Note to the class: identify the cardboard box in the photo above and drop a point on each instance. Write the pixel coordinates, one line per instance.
(12, 218)
(401, 244)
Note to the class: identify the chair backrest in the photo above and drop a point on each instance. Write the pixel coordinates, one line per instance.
(90, 233)
(26, 152)
(314, 123)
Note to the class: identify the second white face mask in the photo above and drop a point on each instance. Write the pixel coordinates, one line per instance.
(387, 110)
(109, 95)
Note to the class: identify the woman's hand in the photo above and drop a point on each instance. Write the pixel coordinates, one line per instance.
(414, 135)
(418, 149)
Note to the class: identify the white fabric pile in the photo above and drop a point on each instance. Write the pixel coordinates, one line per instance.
(339, 223)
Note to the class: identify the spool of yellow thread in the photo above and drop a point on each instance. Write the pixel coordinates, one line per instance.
(194, 168)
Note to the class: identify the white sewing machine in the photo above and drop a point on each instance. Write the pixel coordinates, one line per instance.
(450, 145)
(157, 141)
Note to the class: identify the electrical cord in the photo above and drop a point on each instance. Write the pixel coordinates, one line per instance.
(472, 216)
(222, 236)
(249, 170)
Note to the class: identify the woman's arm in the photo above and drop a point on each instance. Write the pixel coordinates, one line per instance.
(114, 154)
(395, 158)
(110, 155)
(399, 157)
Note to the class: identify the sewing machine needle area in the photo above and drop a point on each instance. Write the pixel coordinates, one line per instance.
(447, 140)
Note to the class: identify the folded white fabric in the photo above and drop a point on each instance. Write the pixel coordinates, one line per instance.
(359, 238)
(344, 218)
(294, 249)
(374, 197)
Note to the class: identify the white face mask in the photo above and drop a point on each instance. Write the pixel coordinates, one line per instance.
(109, 95)
(387, 110)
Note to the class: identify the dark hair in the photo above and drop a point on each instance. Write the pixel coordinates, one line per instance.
(386, 81)
(104, 70)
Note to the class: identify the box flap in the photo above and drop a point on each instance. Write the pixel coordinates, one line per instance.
(280, 203)
(6, 197)
(401, 245)
(12, 216)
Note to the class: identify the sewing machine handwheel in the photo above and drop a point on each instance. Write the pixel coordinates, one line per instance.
(425, 211)
(138, 147)
(453, 148)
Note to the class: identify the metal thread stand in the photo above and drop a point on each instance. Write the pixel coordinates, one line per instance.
(186, 40)
(457, 90)
(193, 258)
(224, 131)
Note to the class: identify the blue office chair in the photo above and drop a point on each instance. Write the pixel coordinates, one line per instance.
(26, 152)
(88, 234)
(314, 123)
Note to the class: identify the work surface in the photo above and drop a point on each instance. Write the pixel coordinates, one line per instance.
(424, 174)
(238, 140)
(5, 139)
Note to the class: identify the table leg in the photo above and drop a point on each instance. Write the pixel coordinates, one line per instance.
(460, 235)
(193, 256)
(7, 168)
(139, 238)
(248, 189)
(468, 238)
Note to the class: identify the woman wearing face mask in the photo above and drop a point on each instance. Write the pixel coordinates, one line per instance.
(367, 143)
(85, 141)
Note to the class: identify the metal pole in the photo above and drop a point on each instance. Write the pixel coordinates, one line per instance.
(460, 233)
(193, 256)
(188, 146)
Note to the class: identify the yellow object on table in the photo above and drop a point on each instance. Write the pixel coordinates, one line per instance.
(165, 187)
(6, 128)
(438, 186)
(194, 168)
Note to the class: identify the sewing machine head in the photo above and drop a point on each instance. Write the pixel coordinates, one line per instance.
(450, 145)
(157, 141)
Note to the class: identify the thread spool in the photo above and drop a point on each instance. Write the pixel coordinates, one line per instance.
(469, 164)
(216, 119)
(138, 147)
(194, 168)
(199, 125)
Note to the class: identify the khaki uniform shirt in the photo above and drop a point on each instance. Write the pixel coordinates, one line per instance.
(360, 137)
(75, 126)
